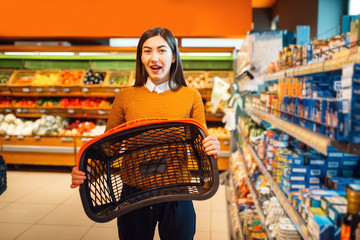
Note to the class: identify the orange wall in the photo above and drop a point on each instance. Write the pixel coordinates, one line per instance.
(118, 18)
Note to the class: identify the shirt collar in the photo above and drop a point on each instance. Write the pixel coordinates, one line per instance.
(163, 87)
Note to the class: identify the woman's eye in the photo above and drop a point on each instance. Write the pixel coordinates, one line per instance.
(162, 50)
(147, 51)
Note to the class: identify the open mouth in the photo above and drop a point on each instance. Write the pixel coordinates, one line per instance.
(155, 68)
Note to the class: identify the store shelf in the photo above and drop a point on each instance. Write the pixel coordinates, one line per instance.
(254, 195)
(293, 214)
(334, 64)
(315, 140)
(233, 200)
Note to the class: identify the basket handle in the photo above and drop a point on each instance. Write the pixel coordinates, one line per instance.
(136, 122)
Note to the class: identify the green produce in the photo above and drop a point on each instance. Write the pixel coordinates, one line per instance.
(118, 80)
(4, 77)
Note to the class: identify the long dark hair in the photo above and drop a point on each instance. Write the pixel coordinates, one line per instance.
(176, 69)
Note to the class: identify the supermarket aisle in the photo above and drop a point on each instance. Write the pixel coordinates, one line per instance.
(40, 206)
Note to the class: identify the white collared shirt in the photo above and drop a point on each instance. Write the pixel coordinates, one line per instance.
(163, 87)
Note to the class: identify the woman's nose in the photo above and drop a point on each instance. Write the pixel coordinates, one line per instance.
(154, 56)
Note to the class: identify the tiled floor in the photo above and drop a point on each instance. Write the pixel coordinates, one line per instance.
(39, 205)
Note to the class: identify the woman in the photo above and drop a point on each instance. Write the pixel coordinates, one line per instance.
(159, 92)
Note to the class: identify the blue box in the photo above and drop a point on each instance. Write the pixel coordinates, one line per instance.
(315, 171)
(297, 185)
(314, 179)
(298, 169)
(349, 163)
(295, 159)
(330, 172)
(327, 201)
(316, 161)
(348, 172)
(336, 213)
(333, 163)
(320, 227)
(297, 178)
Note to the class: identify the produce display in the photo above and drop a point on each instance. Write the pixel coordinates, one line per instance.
(25, 80)
(118, 79)
(70, 77)
(94, 77)
(96, 103)
(85, 128)
(4, 77)
(45, 79)
(195, 80)
(25, 103)
(47, 102)
(220, 132)
(46, 125)
(71, 102)
(5, 101)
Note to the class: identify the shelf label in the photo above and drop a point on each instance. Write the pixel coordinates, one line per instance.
(84, 139)
(116, 90)
(66, 89)
(19, 110)
(39, 89)
(8, 110)
(37, 137)
(85, 90)
(7, 137)
(71, 111)
(26, 90)
(42, 110)
(52, 89)
(66, 139)
(25, 110)
(20, 137)
(101, 112)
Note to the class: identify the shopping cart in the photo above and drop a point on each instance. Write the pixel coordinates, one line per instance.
(145, 162)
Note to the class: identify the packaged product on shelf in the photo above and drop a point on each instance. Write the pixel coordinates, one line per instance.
(354, 34)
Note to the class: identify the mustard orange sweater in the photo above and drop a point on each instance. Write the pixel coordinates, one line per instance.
(138, 102)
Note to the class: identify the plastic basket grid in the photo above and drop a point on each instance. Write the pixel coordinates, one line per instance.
(3, 184)
(160, 162)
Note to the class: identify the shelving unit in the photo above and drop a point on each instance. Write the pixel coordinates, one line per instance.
(254, 194)
(316, 140)
(233, 201)
(293, 214)
(334, 64)
(115, 58)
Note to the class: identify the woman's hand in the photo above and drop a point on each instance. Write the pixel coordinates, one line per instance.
(212, 146)
(77, 177)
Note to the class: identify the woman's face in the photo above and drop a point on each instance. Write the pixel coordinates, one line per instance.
(157, 58)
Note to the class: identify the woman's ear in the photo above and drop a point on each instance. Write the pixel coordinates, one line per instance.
(173, 58)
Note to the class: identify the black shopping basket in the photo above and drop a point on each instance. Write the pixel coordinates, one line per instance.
(145, 162)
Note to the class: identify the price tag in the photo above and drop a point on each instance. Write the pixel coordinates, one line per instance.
(85, 90)
(25, 110)
(26, 90)
(20, 137)
(101, 112)
(8, 110)
(71, 111)
(52, 89)
(66, 139)
(42, 110)
(7, 137)
(66, 89)
(37, 137)
(84, 139)
(19, 110)
(116, 90)
(39, 89)
(218, 114)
